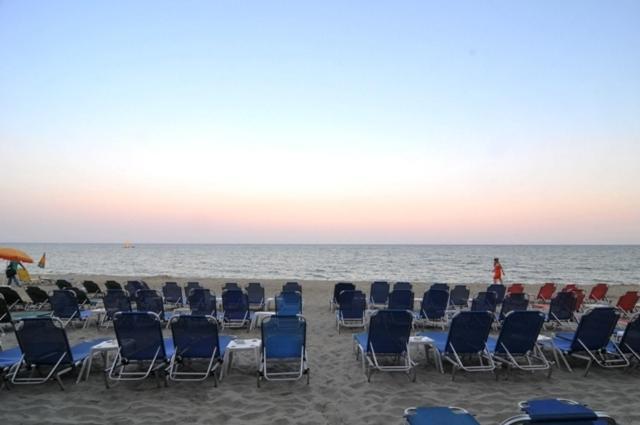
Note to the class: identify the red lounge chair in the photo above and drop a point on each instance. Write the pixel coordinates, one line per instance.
(599, 292)
(579, 298)
(570, 287)
(627, 303)
(546, 292)
(516, 288)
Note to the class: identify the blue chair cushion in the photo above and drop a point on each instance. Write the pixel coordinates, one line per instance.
(223, 341)
(440, 416)
(169, 348)
(565, 335)
(491, 344)
(552, 410)
(81, 351)
(85, 314)
(9, 357)
(362, 339)
(562, 344)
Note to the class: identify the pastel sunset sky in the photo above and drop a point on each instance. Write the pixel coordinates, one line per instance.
(332, 122)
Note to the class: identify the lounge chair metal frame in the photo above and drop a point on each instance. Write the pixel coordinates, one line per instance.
(291, 375)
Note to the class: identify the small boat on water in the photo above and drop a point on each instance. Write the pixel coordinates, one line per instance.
(128, 245)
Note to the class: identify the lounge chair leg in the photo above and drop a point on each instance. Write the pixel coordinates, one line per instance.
(59, 381)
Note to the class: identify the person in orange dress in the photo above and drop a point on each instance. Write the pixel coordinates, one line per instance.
(498, 272)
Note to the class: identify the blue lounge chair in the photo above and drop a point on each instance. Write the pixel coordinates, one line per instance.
(440, 286)
(9, 360)
(172, 293)
(132, 287)
(558, 411)
(8, 317)
(44, 344)
(500, 291)
(112, 284)
(561, 309)
(38, 296)
(196, 338)
(202, 303)
(284, 340)
(459, 296)
(379, 293)
(292, 287)
(513, 302)
(230, 285)
(485, 301)
(433, 310)
(439, 416)
(351, 307)
(401, 299)
(115, 300)
(92, 289)
(288, 303)
(467, 337)
(12, 297)
(65, 307)
(590, 340)
(140, 341)
(516, 346)
(402, 286)
(235, 304)
(150, 300)
(337, 288)
(255, 292)
(63, 284)
(629, 344)
(387, 338)
(190, 286)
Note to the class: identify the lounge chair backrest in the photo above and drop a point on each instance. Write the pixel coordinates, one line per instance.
(459, 295)
(139, 335)
(485, 301)
(626, 303)
(569, 287)
(514, 302)
(379, 292)
(434, 304)
(284, 336)
(546, 291)
(172, 292)
(112, 284)
(515, 288)
(631, 337)
(255, 292)
(63, 284)
(389, 331)
(292, 287)
(405, 286)
(235, 304)
(519, 332)
(342, 286)
(352, 304)
(579, 298)
(468, 332)
(401, 299)
(288, 303)
(190, 286)
(202, 302)
(11, 296)
(64, 304)
(595, 329)
(230, 285)
(599, 292)
(37, 295)
(43, 341)
(500, 290)
(440, 286)
(555, 411)
(5, 315)
(195, 336)
(81, 296)
(563, 305)
(132, 287)
(149, 300)
(91, 287)
(116, 300)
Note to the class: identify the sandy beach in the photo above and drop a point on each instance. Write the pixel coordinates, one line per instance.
(338, 392)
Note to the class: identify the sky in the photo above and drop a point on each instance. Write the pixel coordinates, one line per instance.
(439, 122)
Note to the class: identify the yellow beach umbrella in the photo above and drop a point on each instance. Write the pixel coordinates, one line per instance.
(13, 254)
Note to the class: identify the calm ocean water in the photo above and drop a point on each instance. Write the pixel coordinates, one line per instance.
(428, 263)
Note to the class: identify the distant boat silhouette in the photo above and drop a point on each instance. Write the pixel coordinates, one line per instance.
(128, 245)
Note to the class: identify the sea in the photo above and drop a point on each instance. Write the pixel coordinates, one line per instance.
(585, 264)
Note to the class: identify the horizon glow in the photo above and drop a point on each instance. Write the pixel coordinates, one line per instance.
(420, 123)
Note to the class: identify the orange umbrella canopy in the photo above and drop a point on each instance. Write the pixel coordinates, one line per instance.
(13, 254)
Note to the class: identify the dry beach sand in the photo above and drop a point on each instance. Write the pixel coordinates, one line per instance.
(338, 392)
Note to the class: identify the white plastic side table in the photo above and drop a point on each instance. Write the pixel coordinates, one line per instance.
(237, 345)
